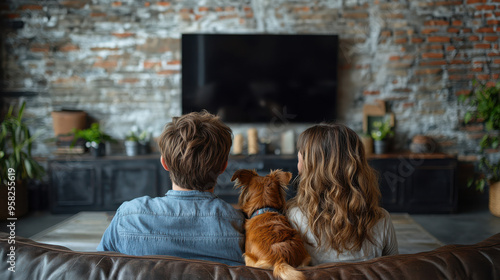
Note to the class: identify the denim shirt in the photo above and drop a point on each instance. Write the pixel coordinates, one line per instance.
(186, 224)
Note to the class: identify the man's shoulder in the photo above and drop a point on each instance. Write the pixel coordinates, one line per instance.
(228, 209)
(139, 204)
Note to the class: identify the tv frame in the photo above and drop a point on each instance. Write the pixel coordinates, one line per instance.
(279, 113)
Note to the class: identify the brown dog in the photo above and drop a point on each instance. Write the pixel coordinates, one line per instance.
(271, 242)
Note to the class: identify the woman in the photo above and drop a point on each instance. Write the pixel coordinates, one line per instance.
(336, 208)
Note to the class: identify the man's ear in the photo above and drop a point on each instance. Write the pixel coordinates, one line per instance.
(163, 163)
(244, 176)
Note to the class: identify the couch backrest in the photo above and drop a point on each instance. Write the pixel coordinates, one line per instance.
(41, 261)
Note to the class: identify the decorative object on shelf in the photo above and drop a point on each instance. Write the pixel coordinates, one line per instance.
(65, 121)
(131, 144)
(144, 139)
(95, 139)
(238, 144)
(367, 143)
(484, 104)
(422, 145)
(264, 146)
(17, 165)
(381, 133)
(375, 112)
(253, 141)
(288, 142)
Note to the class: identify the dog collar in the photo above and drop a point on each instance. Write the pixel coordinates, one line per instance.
(264, 210)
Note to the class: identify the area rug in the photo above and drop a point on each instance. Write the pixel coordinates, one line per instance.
(83, 231)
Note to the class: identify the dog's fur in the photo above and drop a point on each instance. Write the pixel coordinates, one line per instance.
(271, 242)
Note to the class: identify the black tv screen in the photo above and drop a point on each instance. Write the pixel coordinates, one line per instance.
(256, 78)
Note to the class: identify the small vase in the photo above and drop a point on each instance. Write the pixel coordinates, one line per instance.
(144, 148)
(380, 147)
(97, 150)
(131, 148)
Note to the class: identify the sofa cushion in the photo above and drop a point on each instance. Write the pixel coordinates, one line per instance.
(35, 260)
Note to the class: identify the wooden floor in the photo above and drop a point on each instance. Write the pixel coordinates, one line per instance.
(82, 232)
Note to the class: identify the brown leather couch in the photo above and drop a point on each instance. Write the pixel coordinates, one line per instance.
(41, 261)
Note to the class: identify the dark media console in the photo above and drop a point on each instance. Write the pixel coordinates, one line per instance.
(408, 182)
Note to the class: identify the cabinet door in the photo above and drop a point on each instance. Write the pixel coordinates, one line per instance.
(126, 180)
(391, 183)
(74, 185)
(432, 189)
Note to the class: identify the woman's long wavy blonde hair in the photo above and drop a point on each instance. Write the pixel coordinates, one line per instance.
(337, 190)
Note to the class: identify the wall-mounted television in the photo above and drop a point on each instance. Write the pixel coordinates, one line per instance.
(258, 78)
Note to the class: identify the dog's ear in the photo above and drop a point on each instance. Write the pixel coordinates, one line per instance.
(283, 177)
(244, 176)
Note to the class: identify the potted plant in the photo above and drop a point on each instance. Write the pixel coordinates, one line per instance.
(380, 134)
(95, 139)
(144, 139)
(484, 104)
(131, 144)
(17, 165)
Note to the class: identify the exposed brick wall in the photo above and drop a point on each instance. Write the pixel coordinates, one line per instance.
(120, 60)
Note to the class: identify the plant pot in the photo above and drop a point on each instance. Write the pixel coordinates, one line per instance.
(97, 150)
(144, 148)
(131, 148)
(21, 200)
(494, 202)
(380, 147)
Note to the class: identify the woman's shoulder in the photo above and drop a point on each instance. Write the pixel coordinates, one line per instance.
(293, 211)
(385, 213)
(385, 222)
(295, 215)
(385, 217)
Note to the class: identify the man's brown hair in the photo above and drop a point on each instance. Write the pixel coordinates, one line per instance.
(195, 148)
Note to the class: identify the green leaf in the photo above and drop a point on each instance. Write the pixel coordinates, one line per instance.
(489, 125)
(15, 146)
(470, 182)
(494, 143)
(9, 113)
(28, 166)
(462, 98)
(21, 111)
(480, 185)
(467, 117)
(484, 142)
